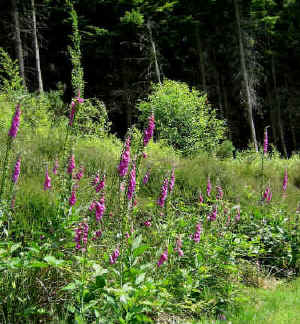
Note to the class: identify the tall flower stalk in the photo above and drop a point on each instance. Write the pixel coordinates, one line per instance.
(12, 134)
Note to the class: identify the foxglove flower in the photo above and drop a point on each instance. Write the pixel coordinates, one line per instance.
(148, 133)
(100, 209)
(79, 174)
(101, 184)
(72, 199)
(163, 258)
(92, 205)
(113, 258)
(147, 223)
(74, 102)
(144, 155)
(97, 235)
(17, 171)
(47, 183)
(269, 197)
(81, 236)
(196, 236)
(208, 187)
(14, 128)
(266, 141)
(172, 181)
(163, 193)
(96, 179)
(266, 193)
(178, 247)
(71, 165)
(125, 159)
(201, 199)
(213, 215)
(285, 180)
(132, 183)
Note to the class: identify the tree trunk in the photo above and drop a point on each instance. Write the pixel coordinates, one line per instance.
(201, 58)
(36, 50)
(245, 76)
(154, 52)
(278, 106)
(17, 39)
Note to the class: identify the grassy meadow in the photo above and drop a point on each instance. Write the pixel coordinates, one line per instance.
(210, 245)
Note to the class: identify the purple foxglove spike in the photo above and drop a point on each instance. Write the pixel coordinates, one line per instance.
(201, 199)
(79, 174)
(163, 258)
(208, 187)
(197, 234)
(47, 182)
(163, 193)
(266, 193)
(269, 197)
(100, 209)
(101, 184)
(125, 159)
(72, 199)
(147, 223)
(266, 141)
(213, 215)
(132, 183)
(148, 133)
(17, 170)
(71, 165)
(114, 256)
(14, 128)
(285, 181)
(238, 215)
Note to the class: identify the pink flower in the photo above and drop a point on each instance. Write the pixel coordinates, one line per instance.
(148, 133)
(238, 215)
(47, 183)
(113, 258)
(81, 236)
(71, 165)
(201, 198)
(100, 209)
(72, 199)
(144, 155)
(266, 141)
(17, 171)
(213, 215)
(147, 223)
(163, 258)
(196, 236)
(92, 205)
(266, 193)
(163, 193)
(285, 180)
(96, 179)
(125, 159)
(132, 183)
(101, 184)
(178, 247)
(79, 174)
(269, 197)
(208, 187)
(97, 235)
(14, 128)
(74, 103)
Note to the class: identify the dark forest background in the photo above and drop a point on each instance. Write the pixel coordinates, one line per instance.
(244, 54)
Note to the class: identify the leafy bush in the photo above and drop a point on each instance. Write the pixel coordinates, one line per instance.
(183, 117)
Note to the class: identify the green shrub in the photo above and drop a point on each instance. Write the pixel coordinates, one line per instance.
(183, 117)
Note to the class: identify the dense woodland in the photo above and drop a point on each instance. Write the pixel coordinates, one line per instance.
(243, 54)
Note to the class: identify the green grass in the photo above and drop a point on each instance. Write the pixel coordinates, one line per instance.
(267, 306)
